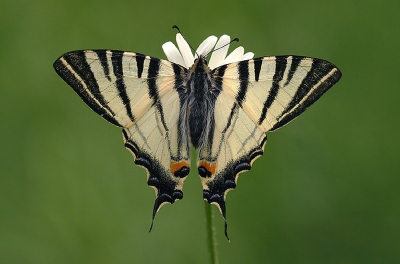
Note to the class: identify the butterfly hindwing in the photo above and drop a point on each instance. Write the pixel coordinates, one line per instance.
(143, 95)
(255, 96)
(237, 141)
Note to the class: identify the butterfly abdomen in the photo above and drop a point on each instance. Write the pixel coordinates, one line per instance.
(199, 107)
(197, 122)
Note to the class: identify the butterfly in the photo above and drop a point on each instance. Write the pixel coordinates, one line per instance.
(223, 110)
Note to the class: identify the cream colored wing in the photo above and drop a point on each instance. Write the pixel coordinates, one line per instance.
(254, 97)
(275, 90)
(143, 95)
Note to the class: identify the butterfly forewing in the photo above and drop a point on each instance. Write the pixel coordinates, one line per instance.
(279, 88)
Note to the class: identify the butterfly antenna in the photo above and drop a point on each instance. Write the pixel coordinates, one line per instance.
(235, 39)
(176, 27)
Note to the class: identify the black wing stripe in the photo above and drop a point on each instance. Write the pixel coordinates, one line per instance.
(243, 71)
(102, 54)
(218, 74)
(75, 71)
(179, 86)
(332, 77)
(293, 68)
(79, 63)
(311, 79)
(139, 63)
(152, 74)
(279, 72)
(231, 115)
(116, 59)
(257, 68)
(154, 67)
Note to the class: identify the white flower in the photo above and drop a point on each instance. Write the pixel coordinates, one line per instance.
(184, 56)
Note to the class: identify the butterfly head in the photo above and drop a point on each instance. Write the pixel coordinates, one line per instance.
(200, 65)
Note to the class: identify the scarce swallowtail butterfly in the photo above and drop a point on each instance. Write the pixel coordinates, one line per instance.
(223, 108)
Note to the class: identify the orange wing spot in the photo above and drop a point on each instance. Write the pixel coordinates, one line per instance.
(175, 166)
(211, 167)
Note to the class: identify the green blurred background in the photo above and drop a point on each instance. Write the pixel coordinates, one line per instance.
(327, 189)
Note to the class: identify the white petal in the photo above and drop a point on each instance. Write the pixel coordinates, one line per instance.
(206, 46)
(235, 55)
(217, 57)
(172, 53)
(248, 56)
(185, 50)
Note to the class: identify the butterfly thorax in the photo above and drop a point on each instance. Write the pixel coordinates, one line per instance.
(199, 110)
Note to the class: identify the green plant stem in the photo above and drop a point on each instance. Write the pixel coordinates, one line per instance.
(211, 239)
